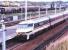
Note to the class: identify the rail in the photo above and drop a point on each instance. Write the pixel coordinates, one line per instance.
(52, 39)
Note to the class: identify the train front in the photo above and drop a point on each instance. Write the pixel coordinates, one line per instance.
(24, 28)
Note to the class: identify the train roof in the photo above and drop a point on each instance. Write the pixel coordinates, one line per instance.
(34, 20)
(26, 22)
(40, 19)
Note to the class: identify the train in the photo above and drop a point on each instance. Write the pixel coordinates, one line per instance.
(26, 28)
(30, 27)
(8, 10)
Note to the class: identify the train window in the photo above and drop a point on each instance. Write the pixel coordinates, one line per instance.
(45, 22)
(25, 25)
(36, 25)
(30, 25)
(22, 25)
(0, 26)
(41, 23)
(52, 19)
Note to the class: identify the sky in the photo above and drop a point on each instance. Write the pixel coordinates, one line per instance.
(36, 0)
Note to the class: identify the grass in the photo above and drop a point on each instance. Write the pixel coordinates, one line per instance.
(59, 44)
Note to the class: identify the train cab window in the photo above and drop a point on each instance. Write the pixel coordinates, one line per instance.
(30, 25)
(25, 25)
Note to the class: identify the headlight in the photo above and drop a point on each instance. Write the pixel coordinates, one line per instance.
(18, 33)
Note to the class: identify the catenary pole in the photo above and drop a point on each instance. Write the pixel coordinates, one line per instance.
(3, 36)
(25, 9)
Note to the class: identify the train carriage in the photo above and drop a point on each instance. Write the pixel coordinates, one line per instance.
(39, 24)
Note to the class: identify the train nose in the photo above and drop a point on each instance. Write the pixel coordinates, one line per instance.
(18, 33)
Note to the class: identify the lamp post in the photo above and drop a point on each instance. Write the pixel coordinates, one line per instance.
(4, 38)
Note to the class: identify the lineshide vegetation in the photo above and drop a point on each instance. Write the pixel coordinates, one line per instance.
(61, 44)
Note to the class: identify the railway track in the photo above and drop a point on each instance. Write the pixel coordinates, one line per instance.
(57, 36)
(22, 46)
(52, 39)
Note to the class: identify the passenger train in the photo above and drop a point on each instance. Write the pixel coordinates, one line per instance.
(30, 27)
